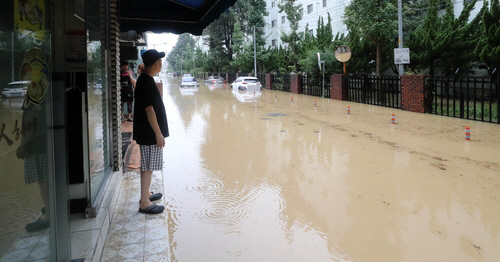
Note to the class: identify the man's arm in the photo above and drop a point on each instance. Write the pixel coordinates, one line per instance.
(132, 79)
(150, 112)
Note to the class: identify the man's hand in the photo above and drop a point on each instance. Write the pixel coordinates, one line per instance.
(160, 140)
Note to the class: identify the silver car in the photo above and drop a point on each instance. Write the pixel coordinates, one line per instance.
(215, 80)
(189, 82)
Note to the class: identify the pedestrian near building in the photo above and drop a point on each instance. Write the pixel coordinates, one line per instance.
(150, 128)
(127, 84)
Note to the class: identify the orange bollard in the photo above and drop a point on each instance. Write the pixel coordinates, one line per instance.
(348, 110)
(467, 133)
(393, 119)
(314, 103)
(292, 98)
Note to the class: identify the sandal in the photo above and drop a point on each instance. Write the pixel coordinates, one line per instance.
(154, 197)
(152, 209)
(39, 224)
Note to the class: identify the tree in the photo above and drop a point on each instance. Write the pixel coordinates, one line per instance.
(488, 48)
(293, 38)
(174, 57)
(439, 43)
(375, 20)
(324, 34)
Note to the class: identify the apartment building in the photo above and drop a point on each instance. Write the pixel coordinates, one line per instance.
(276, 22)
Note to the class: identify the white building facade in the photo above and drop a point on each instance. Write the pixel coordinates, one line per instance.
(276, 22)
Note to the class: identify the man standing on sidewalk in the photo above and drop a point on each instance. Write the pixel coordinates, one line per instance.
(150, 128)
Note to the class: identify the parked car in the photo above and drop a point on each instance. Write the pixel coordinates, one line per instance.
(15, 89)
(242, 83)
(98, 85)
(215, 80)
(187, 75)
(189, 82)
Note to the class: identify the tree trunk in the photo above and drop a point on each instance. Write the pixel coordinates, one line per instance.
(379, 59)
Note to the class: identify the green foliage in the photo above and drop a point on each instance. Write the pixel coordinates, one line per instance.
(439, 43)
(310, 63)
(488, 48)
(293, 38)
(324, 34)
(375, 20)
(179, 52)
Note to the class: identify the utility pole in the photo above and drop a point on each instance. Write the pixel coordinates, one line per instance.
(254, 54)
(400, 33)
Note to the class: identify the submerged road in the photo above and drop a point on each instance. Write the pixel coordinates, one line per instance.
(266, 179)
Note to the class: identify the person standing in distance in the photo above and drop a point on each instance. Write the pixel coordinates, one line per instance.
(150, 128)
(127, 83)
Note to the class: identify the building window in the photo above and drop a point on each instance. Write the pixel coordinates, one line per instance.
(301, 12)
(283, 19)
(273, 42)
(273, 4)
(324, 3)
(311, 32)
(309, 8)
(273, 23)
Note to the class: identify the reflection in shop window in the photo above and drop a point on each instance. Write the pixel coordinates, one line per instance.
(25, 144)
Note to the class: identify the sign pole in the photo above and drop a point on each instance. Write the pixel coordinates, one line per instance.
(400, 33)
(344, 68)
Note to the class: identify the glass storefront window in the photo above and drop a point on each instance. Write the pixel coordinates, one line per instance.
(26, 166)
(98, 103)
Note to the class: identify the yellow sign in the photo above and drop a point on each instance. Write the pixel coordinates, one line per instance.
(29, 17)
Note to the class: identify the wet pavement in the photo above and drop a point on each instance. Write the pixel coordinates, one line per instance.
(261, 178)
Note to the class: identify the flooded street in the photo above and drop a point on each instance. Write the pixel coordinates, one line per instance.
(266, 179)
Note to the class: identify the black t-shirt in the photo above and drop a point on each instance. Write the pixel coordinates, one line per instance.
(147, 94)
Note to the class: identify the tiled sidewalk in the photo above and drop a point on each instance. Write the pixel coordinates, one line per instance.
(133, 236)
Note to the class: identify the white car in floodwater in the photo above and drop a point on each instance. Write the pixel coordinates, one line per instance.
(246, 96)
(189, 82)
(247, 83)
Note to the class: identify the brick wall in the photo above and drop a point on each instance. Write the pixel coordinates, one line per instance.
(296, 83)
(269, 81)
(413, 89)
(338, 87)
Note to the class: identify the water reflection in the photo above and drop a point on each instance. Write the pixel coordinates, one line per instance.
(244, 184)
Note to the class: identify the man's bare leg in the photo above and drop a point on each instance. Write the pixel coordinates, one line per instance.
(145, 184)
(44, 192)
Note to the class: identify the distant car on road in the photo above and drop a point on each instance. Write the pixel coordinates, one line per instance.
(189, 82)
(15, 89)
(243, 83)
(187, 75)
(215, 80)
(98, 85)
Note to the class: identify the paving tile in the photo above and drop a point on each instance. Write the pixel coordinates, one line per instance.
(156, 247)
(132, 237)
(133, 226)
(40, 252)
(156, 233)
(156, 258)
(113, 240)
(16, 255)
(83, 243)
(135, 259)
(130, 251)
(109, 253)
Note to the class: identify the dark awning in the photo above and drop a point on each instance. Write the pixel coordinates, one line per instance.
(173, 16)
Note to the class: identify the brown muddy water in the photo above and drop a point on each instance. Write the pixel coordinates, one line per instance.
(266, 179)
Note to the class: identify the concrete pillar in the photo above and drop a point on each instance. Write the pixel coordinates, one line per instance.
(269, 81)
(338, 87)
(413, 91)
(296, 86)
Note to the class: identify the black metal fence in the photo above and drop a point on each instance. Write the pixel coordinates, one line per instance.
(313, 86)
(374, 90)
(262, 79)
(474, 98)
(281, 82)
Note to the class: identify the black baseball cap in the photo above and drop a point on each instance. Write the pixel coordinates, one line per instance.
(151, 56)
